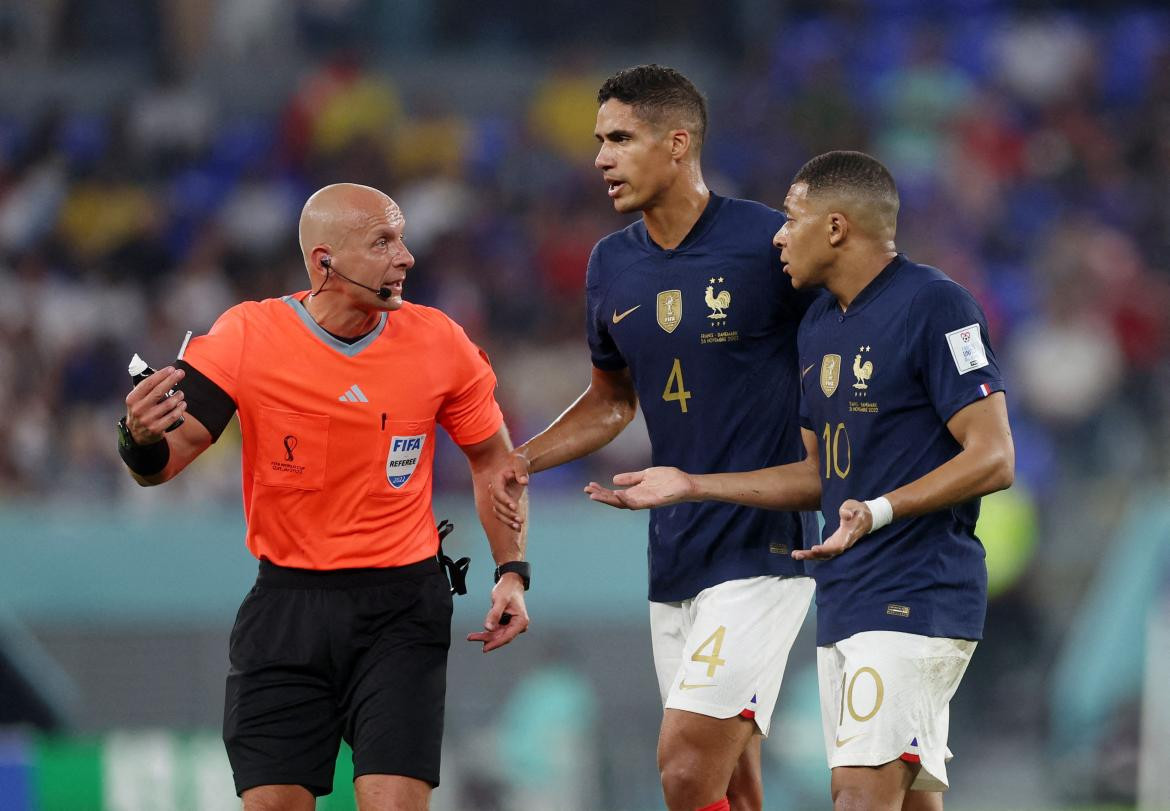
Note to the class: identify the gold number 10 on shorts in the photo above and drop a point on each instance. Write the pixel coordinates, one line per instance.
(847, 695)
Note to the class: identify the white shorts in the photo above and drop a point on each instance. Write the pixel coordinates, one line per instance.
(722, 652)
(886, 695)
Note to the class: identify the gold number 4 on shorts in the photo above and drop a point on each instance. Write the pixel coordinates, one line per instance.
(716, 642)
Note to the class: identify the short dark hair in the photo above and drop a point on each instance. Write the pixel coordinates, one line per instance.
(851, 172)
(654, 92)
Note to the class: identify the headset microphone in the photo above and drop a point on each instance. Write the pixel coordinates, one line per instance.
(382, 292)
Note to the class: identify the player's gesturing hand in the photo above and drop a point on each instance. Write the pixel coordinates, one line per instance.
(507, 598)
(507, 485)
(652, 487)
(149, 411)
(856, 521)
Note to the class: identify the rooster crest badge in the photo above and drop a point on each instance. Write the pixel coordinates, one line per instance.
(862, 371)
(717, 303)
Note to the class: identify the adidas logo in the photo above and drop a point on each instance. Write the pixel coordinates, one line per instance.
(354, 395)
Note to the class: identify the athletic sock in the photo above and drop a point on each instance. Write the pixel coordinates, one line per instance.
(722, 805)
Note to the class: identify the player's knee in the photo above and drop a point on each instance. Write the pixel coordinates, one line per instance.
(683, 779)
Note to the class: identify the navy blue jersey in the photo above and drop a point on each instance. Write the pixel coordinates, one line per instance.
(879, 384)
(708, 331)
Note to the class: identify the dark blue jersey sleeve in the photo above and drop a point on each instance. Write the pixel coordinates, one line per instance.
(952, 352)
(810, 366)
(602, 349)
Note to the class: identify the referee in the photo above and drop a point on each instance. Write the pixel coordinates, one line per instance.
(339, 389)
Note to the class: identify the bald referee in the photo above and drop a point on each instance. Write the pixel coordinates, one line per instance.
(339, 390)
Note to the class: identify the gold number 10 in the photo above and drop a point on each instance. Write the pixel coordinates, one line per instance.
(832, 439)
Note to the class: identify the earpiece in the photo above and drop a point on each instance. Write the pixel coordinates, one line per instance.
(327, 263)
(382, 292)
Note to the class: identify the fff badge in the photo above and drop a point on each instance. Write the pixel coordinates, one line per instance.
(403, 458)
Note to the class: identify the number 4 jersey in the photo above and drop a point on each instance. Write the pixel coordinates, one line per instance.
(880, 381)
(708, 331)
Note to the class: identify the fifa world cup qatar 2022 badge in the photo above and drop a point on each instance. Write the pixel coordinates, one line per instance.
(967, 349)
(403, 457)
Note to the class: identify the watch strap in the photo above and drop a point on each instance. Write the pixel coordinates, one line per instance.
(520, 567)
(145, 460)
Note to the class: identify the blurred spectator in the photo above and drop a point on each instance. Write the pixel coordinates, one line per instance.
(1035, 148)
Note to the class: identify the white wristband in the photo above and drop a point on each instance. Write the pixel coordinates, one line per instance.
(881, 511)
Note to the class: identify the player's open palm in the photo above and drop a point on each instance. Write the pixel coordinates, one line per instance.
(856, 521)
(652, 487)
(507, 488)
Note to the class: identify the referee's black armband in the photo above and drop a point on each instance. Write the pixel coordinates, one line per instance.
(145, 460)
(206, 401)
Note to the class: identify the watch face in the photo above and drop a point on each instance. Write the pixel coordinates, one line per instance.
(125, 439)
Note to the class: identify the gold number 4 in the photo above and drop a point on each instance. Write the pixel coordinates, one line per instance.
(716, 642)
(679, 391)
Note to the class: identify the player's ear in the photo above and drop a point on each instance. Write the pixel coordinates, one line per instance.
(838, 228)
(680, 143)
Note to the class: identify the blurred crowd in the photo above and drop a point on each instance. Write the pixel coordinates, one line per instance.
(1032, 152)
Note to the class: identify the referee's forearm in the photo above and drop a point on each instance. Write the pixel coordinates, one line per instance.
(506, 543)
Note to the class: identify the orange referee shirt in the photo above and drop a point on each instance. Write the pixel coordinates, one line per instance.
(339, 439)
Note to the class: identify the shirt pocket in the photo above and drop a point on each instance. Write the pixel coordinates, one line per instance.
(405, 454)
(292, 449)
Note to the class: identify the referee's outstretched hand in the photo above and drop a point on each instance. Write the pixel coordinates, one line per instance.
(507, 598)
(856, 522)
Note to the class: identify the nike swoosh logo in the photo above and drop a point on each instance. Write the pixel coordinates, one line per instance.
(684, 686)
(802, 374)
(841, 743)
(619, 316)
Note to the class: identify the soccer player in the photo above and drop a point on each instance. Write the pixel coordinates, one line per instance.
(689, 312)
(902, 404)
(339, 390)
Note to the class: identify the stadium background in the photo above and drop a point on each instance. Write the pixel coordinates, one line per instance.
(154, 157)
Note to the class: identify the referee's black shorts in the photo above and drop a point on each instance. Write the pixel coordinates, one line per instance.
(359, 654)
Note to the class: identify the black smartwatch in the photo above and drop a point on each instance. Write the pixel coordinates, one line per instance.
(145, 460)
(520, 567)
(125, 438)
